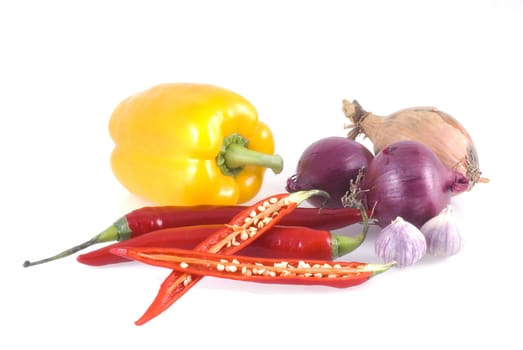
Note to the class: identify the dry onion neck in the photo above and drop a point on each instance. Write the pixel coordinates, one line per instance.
(356, 114)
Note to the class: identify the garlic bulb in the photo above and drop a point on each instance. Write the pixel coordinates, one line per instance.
(442, 234)
(402, 242)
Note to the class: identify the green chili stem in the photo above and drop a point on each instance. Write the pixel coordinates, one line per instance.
(110, 234)
(351, 199)
(343, 245)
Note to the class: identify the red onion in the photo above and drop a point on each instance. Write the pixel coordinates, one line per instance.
(329, 164)
(406, 179)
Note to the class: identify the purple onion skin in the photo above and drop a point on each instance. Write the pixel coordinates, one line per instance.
(329, 164)
(407, 179)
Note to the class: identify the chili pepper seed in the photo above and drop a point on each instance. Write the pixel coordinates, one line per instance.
(187, 280)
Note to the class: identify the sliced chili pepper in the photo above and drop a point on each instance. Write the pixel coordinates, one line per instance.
(242, 230)
(253, 269)
(280, 241)
(148, 219)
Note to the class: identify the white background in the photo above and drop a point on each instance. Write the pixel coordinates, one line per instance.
(65, 65)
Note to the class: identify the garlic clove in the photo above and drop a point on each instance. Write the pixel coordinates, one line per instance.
(402, 242)
(442, 234)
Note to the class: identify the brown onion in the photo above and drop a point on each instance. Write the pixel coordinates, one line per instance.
(439, 131)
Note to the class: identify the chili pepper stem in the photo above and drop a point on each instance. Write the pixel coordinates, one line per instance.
(343, 245)
(234, 155)
(379, 268)
(346, 244)
(299, 196)
(112, 233)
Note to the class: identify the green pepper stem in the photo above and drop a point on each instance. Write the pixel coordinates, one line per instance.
(112, 233)
(235, 154)
(238, 156)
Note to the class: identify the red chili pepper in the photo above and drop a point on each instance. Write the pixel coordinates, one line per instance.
(148, 219)
(242, 230)
(279, 242)
(253, 269)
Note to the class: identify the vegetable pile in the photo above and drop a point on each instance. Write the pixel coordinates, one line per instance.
(423, 157)
(199, 151)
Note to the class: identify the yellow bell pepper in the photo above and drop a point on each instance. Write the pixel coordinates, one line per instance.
(191, 144)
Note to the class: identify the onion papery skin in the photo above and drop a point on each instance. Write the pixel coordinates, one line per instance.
(407, 179)
(438, 130)
(329, 164)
